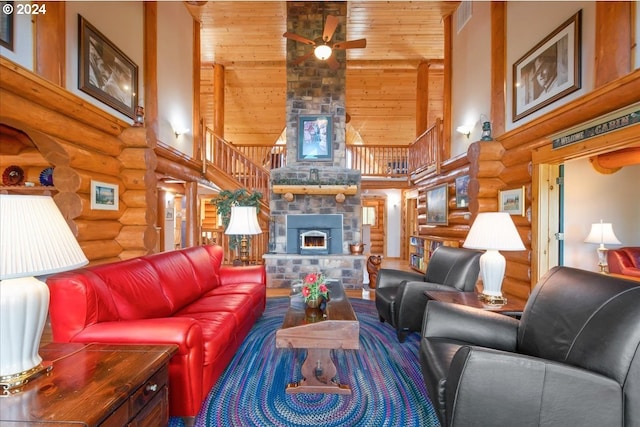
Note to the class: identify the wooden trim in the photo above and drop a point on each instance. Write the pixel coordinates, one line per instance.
(422, 98)
(447, 100)
(498, 67)
(198, 149)
(50, 46)
(151, 66)
(218, 100)
(613, 28)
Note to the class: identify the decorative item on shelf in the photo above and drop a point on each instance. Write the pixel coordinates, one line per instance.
(493, 232)
(602, 233)
(314, 289)
(356, 248)
(139, 120)
(486, 132)
(46, 177)
(13, 175)
(36, 241)
(243, 222)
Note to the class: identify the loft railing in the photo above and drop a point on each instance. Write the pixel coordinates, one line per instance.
(230, 160)
(425, 152)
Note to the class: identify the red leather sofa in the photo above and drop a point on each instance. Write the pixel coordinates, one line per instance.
(625, 261)
(183, 297)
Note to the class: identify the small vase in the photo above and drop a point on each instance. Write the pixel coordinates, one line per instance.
(313, 302)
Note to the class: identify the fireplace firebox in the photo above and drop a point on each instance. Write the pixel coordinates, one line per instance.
(311, 234)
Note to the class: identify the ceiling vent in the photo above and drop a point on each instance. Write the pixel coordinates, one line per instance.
(463, 14)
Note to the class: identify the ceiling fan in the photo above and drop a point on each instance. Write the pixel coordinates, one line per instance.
(323, 47)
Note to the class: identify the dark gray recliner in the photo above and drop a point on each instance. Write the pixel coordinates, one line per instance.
(400, 298)
(573, 359)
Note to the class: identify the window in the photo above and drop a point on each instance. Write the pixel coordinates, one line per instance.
(369, 215)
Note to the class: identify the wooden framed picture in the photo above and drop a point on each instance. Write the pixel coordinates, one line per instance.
(549, 71)
(104, 196)
(512, 201)
(105, 72)
(462, 195)
(6, 25)
(438, 205)
(315, 138)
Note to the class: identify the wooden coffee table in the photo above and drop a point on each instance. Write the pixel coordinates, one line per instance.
(319, 332)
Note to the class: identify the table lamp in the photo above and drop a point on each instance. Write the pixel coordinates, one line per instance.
(35, 240)
(602, 233)
(493, 232)
(243, 222)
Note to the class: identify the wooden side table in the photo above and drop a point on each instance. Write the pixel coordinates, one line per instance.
(513, 307)
(95, 385)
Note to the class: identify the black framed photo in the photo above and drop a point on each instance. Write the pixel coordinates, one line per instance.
(549, 71)
(105, 72)
(6, 25)
(315, 138)
(438, 205)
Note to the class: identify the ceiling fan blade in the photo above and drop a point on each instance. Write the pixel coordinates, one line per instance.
(294, 36)
(330, 26)
(333, 62)
(302, 58)
(351, 44)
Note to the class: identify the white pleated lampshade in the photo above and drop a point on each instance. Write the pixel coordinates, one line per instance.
(602, 233)
(494, 231)
(243, 221)
(35, 238)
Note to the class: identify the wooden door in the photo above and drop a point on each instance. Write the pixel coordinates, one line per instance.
(373, 213)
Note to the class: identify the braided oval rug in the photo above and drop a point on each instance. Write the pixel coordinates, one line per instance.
(384, 375)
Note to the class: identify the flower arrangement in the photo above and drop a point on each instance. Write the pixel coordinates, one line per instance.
(314, 287)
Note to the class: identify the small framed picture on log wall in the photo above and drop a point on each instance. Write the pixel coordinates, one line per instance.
(106, 73)
(438, 205)
(511, 201)
(104, 196)
(6, 25)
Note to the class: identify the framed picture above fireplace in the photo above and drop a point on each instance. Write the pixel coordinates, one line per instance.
(315, 138)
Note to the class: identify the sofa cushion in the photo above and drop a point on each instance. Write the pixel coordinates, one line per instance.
(177, 278)
(240, 305)
(205, 266)
(218, 332)
(136, 289)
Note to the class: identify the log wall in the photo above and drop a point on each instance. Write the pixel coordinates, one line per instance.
(83, 143)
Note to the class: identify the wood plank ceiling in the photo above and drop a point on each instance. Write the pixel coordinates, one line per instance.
(246, 38)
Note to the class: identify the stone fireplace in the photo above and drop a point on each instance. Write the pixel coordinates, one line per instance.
(313, 88)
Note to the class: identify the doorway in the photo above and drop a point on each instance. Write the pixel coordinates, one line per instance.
(373, 214)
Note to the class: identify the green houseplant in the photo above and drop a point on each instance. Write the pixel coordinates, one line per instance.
(226, 199)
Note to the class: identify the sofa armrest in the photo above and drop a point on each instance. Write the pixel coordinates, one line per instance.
(486, 387)
(185, 332)
(411, 302)
(230, 275)
(390, 277)
(471, 325)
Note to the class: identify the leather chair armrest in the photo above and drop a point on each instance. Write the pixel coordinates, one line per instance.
(472, 325)
(411, 302)
(486, 387)
(390, 277)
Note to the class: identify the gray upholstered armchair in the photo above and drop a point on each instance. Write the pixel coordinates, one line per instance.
(400, 298)
(573, 358)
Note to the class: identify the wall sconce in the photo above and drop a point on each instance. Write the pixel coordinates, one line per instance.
(464, 129)
(177, 133)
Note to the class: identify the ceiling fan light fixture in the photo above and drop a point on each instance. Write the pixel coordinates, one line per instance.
(322, 52)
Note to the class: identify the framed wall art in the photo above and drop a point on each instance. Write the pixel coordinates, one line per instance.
(511, 201)
(462, 195)
(6, 25)
(104, 196)
(438, 205)
(549, 71)
(105, 72)
(315, 138)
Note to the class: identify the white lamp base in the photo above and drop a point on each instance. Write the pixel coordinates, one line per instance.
(24, 303)
(492, 267)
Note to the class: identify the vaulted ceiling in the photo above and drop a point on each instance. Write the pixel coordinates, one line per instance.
(246, 38)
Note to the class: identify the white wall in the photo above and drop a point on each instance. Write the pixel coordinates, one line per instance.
(175, 82)
(471, 74)
(591, 196)
(119, 21)
(22, 52)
